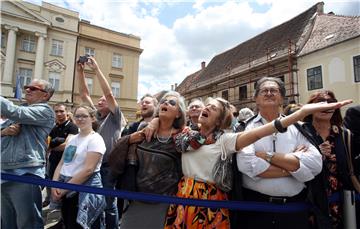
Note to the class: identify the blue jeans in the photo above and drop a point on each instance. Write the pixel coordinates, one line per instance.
(111, 211)
(21, 206)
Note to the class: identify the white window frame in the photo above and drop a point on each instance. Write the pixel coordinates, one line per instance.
(314, 75)
(25, 76)
(115, 88)
(54, 79)
(356, 70)
(89, 82)
(28, 43)
(89, 51)
(57, 47)
(117, 61)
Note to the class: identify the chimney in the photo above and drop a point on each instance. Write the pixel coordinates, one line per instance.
(175, 86)
(320, 8)
(172, 87)
(203, 65)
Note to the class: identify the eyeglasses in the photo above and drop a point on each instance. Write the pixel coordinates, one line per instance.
(34, 88)
(81, 116)
(272, 91)
(170, 101)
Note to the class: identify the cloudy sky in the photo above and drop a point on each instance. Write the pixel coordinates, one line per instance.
(178, 35)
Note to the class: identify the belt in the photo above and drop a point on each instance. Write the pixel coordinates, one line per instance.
(257, 196)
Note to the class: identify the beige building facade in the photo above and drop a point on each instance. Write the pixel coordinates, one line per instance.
(45, 42)
(334, 67)
(38, 42)
(118, 57)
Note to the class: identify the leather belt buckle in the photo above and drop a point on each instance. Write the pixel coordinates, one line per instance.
(277, 200)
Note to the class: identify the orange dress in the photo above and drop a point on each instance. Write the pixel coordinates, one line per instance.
(179, 216)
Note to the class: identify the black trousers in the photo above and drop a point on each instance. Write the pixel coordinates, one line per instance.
(273, 220)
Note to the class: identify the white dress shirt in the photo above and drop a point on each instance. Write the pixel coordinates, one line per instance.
(251, 165)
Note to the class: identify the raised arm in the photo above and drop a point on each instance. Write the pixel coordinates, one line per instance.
(83, 88)
(250, 136)
(105, 87)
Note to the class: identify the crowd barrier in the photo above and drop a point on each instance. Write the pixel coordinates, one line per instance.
(235, 205)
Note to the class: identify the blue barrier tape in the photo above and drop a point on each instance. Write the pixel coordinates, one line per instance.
(236, 205)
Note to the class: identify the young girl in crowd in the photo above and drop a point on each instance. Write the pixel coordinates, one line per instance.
(80, 164)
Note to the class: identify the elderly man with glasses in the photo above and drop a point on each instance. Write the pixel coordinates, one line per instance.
(275, 168)
(23, 153)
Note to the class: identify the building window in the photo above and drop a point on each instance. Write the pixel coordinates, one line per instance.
(357, 68)
(89, 83)
(314, 78)
(28, 43)
(117, 61)
(54, 79)
(225, 94)
(89, 51)
(115, 88)
(2, 40)
(243, 92)
(57, 48)
(25, 75)
(60, 19)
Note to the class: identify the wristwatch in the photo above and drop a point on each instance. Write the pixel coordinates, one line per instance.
(269, 156)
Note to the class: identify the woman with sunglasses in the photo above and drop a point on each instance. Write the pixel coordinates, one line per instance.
(80, 164)
(158, 165)
(200, 151)
(326, 130)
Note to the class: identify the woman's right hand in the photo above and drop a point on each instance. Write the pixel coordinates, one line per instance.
(56, 194)
(325, 148)
(151, 129)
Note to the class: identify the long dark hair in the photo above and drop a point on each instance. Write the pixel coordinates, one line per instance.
(328, 96)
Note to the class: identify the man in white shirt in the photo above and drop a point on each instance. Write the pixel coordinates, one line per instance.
(276, 167)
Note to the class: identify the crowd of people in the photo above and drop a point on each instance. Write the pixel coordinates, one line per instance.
(303, 153)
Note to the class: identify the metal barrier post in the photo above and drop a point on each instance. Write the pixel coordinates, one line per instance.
(349, 209)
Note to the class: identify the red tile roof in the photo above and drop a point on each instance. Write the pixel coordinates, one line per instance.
(329, 30)
(189, 80)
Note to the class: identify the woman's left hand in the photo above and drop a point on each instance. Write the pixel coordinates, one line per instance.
(310, 108)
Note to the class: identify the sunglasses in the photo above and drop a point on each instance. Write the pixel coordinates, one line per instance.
(170, 101)
(330, 100)
(81, 116)
(34, 88)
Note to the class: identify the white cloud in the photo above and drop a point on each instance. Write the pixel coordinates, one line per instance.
(170, 54)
